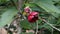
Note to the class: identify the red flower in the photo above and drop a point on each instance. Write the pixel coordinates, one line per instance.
(33, 16)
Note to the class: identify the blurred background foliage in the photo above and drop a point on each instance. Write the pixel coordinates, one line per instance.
(48, 9)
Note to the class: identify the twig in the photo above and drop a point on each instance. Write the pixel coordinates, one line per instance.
(37, 27)
(50, 24)
(20, 3)
(0, 30)
(52, 31)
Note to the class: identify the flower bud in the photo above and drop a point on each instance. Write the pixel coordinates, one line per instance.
(27, 9)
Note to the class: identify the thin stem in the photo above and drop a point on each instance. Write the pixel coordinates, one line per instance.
(52, 31)
(0, 30)
(49, 24)
(20, 3)
(37, 27)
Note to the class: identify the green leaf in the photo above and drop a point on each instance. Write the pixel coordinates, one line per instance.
(47, 6)
(2, 1)
(7, 17)
(56, 0)
(46, 1)
(58, 21)
(30, 4)
(25, 24)
(46, 26)
(15, 0)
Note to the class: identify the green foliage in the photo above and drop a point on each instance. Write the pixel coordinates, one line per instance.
(47, 6)
(7, 16)
(49, 10)
(25, 24)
